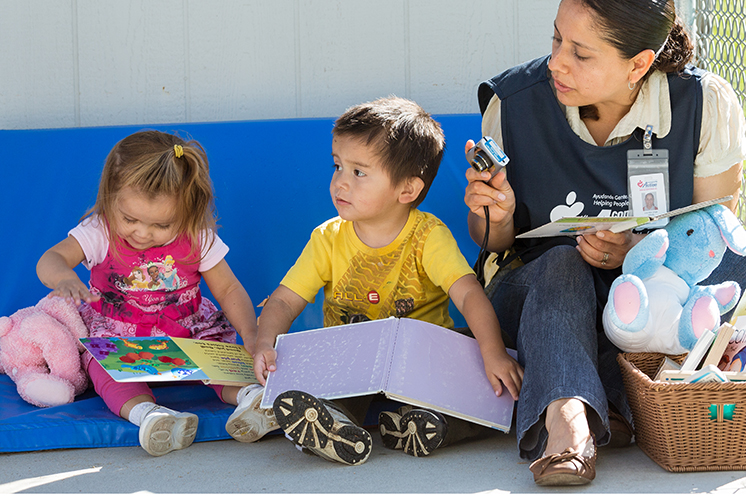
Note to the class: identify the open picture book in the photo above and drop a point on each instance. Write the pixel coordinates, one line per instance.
(571, 226)
(407, 360)
(170, 359)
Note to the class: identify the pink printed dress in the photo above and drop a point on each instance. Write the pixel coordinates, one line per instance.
(153, 292)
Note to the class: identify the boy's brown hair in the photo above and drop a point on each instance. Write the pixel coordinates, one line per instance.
(148, 162)
(408, 140)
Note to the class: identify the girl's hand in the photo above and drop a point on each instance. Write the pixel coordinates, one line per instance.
(503, 370)
(74, 291)
(264, 362)
(606, 250)
(485, 190)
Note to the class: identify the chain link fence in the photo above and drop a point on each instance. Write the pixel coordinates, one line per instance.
(720, 35)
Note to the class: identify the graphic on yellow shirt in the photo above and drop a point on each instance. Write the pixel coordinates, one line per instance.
(378, 287)
(410, 277)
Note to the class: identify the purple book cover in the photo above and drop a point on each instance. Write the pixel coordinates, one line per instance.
(406, 359)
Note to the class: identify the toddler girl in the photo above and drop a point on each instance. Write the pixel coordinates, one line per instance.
(148, 241)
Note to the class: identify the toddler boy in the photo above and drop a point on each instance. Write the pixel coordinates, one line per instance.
(380, 258)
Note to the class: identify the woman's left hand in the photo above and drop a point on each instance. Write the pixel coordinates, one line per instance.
(606, 250)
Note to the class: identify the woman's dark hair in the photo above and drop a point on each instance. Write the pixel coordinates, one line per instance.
(632, 26)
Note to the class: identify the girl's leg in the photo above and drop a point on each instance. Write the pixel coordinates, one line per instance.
(161, 429)
(227, 393)
(119, 397)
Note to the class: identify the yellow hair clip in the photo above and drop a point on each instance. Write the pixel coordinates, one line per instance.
(178, 151)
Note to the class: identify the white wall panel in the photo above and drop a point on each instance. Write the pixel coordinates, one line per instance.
(70, 63)
(535, 27)
(456, 45)
(350, 51)
(132, 61)
(242, 62)
(37, 75)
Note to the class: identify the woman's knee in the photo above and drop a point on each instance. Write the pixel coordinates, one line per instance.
(561, 269)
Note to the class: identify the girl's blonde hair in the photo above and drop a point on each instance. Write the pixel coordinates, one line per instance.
(156, 163)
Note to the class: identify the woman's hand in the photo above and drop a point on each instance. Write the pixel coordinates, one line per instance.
(486, 190)
(606, 250)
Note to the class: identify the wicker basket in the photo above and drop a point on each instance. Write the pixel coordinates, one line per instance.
(685, 427)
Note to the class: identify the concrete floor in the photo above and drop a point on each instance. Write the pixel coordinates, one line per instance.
(273, 465)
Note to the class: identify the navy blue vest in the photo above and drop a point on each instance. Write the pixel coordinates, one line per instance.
(550, 166)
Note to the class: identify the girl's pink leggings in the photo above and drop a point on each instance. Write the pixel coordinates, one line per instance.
(115, 394)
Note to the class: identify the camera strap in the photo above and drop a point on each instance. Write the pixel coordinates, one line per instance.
(483, 252)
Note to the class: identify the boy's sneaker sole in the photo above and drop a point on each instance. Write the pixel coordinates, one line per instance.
(163, 432)
(249, 422)
(418, 432)
(310, 424)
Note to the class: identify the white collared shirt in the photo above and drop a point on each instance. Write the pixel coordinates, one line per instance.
(722, 141)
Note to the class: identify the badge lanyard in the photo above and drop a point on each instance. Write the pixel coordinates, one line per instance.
(647, 174)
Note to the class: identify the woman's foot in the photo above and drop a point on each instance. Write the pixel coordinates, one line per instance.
(570, 455)
(567, 425)
(569, 468)
(621, 430)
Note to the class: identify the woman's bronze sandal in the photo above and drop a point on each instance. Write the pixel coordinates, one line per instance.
(568, 468)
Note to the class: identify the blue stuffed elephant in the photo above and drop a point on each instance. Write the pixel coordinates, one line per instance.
(656, 304)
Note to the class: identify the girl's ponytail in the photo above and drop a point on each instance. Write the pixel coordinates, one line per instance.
(196, 203)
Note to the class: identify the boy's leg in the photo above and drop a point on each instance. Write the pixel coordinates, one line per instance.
(355, 408)
(161, 429)
(249, 422)
(322, 428)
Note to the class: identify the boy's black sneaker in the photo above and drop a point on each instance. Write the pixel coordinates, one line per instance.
(321, 428)
(417, 431)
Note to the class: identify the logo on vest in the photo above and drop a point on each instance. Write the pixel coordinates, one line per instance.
(571, 209)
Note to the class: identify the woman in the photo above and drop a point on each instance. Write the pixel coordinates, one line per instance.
(566, 122)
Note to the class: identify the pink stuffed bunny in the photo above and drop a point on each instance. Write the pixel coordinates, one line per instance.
(40, 351)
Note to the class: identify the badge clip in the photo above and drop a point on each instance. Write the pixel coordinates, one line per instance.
(647, 139)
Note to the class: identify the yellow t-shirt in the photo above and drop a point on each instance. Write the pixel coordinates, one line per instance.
(410, 277)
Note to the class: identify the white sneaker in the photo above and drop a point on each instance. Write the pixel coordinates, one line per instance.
(163, 430)
(249, 422)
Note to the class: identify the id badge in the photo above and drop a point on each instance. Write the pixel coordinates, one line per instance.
(647, 171)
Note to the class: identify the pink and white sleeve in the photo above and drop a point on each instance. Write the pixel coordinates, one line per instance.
(93, 238)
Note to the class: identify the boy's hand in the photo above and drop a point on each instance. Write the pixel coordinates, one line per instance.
(501, 370)
(264, 362)
(74, 291)
(469, 297)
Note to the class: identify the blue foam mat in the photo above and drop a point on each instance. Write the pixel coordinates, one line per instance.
(88, 423)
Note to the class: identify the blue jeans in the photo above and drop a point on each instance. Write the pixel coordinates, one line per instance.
(548, 308)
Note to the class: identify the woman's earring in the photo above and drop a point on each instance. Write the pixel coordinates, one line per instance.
(631, 86)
